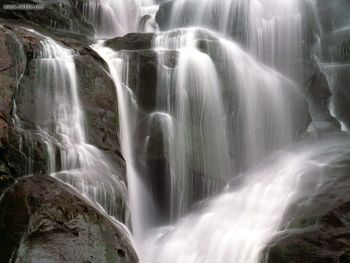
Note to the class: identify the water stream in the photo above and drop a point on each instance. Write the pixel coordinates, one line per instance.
(58, 120)
(214, 96)
(213, 166)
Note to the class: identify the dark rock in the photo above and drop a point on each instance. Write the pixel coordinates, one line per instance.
(16, 46)
(340, 77)
(143, 74)
(25, 151)
(58, 17)
(333, 14)
(318, 94)
(147, 24)
(44, 220)
(5, 180)
(99, 100)
(131, 41)
(317, 226)
(163, 15)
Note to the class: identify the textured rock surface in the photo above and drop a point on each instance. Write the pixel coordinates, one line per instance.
(99, 100)
(59, 17)
(318, 93)
(44, 220)
(132, 41)
(19, 48)
(15, 48)
(318, 225)
(163, 15)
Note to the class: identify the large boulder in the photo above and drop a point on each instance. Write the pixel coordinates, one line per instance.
(16, 47)
(163, 15)
(131, 41)
(99, 100)
(44, 220)
(24, 146)
(142, 78)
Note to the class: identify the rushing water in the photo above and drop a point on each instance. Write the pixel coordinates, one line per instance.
(111, 18)
(228, 94)
(59, 123)
(208, 111)
(236, 226)
(218, 111)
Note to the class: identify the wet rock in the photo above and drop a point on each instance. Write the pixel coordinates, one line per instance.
(16, 47)
(131, 41)
(317, 226)
(5, 179)
(25, 151)
(318, 94)
(163, 15)
(58, 17)
(44, 220)
(99, 100)
(340, 79)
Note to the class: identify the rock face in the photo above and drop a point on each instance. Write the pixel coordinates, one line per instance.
(14, 53)
(44, 220)
(23, 151)
(163, 15)
(58, 17)
(318, 94)
(98, 96)
(335, 53)
(99, 101)
(131, 41)
(317, 227)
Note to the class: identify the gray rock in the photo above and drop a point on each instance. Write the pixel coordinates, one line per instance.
(59, 17)
(317, 226)
(131, 41)
(44, 220)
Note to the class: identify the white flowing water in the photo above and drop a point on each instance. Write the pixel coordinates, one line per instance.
(218, 112)
(208, 112)
(236, 226)
(112, 18)
(140, 205)
(194, 113)
(59, 123)
(220, 108)
(271, 29)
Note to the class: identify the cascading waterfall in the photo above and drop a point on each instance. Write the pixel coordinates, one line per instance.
(213, 97)
(221, 107)
(202, 115)
(140, 205)
(271, 30)
(112, 18)
(236, 226)
(59, 123)
(333, 53)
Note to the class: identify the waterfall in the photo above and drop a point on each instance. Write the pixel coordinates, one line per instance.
(229, 147)
(203, 113)
(236, 226)
(217, 112)
(58, 120)
(139, 203)
(271, 30)
(189, 138)
(112, 18)
(211, 166)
